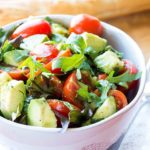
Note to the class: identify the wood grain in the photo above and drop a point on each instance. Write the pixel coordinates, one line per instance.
(138, 27)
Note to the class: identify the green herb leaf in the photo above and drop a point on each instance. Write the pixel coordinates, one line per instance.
(77, 43)
(49, 20)
(125, 77)
(6, 32)
(85, 66)
(104, 86)
(68, 63)
(33, 66)
(89, 97)
(7, 46)
(58, 38)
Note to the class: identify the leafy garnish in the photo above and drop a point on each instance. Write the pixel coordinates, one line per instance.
(34, 66)
(85, 66)
(58, 38)
(77, 43)
(49, 20)
(68, 63)
(104, 86)
(7, 46)
(125, 77)
(87, 96)
(6, 32)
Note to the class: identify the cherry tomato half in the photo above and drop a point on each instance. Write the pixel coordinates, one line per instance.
(32, 27)
(133, 70)
(66, 53)
(130, 66)
(70, 89)
(19, 74)
(44, 52)
(102, 76)
(59, 106)
(120, 98)
(86, 23)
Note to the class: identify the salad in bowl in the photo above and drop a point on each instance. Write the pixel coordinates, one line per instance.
(55, 76)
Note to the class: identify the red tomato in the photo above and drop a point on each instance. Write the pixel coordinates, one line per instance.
(102, 76)
(130, 66)
(70, 89)
(133, 70)
(120, 98)
(86, 23)
(66, 53)
(59, 106)
(45, 52)
(19, 74)
(32, 27)
(97, 92)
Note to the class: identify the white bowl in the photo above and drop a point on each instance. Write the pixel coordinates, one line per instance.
(98, 136)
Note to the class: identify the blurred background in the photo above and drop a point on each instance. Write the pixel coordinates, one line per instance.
(131, 16)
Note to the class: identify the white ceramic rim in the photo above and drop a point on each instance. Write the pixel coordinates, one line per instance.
(128, 107)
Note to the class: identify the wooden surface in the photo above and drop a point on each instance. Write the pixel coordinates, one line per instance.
(138, 27)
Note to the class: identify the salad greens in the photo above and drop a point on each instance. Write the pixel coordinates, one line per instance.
(55, 77)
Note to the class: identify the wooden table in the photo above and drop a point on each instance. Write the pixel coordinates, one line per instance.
(138, 27)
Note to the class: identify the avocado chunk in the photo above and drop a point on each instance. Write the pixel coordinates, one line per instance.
(96, 44)
(31, 42)
(15, 57)
(40, 114)
(108, 62)
(106, 109)
(4, 77)
(59, 29)
(12, 98)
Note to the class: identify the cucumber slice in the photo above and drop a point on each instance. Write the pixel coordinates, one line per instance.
(12, 96)
(106, 109)
(4, 77)
(40, 114)
(15, 57)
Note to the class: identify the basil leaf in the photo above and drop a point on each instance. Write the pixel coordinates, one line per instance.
(68, 63)
(125, 77)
